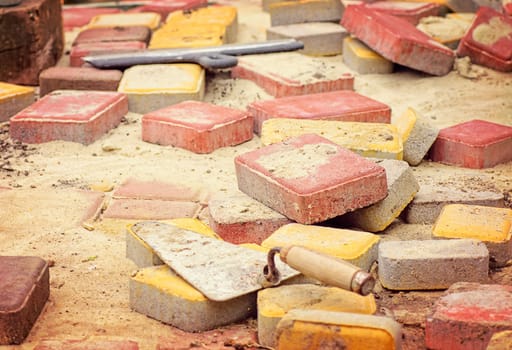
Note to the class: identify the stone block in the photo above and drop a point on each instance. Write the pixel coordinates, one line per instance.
(163, 7)
(78, 52)
(364, 60)
(182, 36)
(302, 11)
(445, 30)
(500, 341)
(13, 98)
(125, 19)
(134, 188)
(76, 17)
(113, 34)
(143, 209)
(86, 344)
(412, 12)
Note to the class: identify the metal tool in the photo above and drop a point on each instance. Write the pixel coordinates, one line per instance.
(213, 57)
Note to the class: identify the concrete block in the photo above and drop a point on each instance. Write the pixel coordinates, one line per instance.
(500, 341)
(76, 17)
(199, 127)
(474, 144)
(160, 294)
(398, 40)
(487, 224)
(472, 5)
(356, 247)
(336, 105)
(274, 303)
(376, 140)
(113, 34)
(412, 12)
(445, 30)
(110, 20)
(13, 98)
(302, 11)
(300, 76)
(310, 179)
(70, 78)
(134, 188)
(319, 38)
(488, 42)
(432, 264)
(69, 115)
(142, 209)
(318, 329)
(182, 36)
(86, 344)
(163, 8)
(25, 287)
(78, 52)
(418, 135)
(468, 315)
(364, 60)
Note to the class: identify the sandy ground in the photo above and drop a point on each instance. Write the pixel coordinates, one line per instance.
(89, 277)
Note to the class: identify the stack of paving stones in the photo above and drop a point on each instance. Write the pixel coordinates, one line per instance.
(332, 169)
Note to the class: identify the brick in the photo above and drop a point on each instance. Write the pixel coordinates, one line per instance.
(199, 127)
(493, 226)
(146, 19)
(445, 30)
(75, 17)
(468, 315)
(13, 98)
(318, 329)
(241, 219)
(150, 209)
(155, 86)
(398, 40)
(34, 26)
(86, 344)
(299, 77)
(301, 11)
(25, 288)
(500, 341)
(364, 60)
(69, 115)
(411, 12)
(336, 105)
(417, 133)
(274, 303)
(474, 144)
(507, 7)
(310, 179)
(432, 264)
(70, 78)
(488, 42)
(357, 247)
(179, 36)
(163, 7)
(134, 188)
(115, 34)
(319, 38)
(160, 294)
(78, 52)
(376, 140)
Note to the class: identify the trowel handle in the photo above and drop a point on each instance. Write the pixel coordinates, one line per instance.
(328, 269)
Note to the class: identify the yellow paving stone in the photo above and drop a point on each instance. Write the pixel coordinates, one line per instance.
(364, 60)
(13, 98)
(178, 36)
(445, 30)
(376, 140)
(145, 19)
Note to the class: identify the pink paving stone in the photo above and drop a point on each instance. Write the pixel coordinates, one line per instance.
(398, 40)
(78, 52)
(86, 344)
(69, 115)
(199, 127)
(474, 144)
(115, 34)
(142, 209)
(310, 179)
(336, 105)
(488, 41)
(74, 17)
(410, 11)
(468, 315)
(507, 7)
(164, 7)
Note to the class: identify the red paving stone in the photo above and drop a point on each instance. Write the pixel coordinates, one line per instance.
(336, 105)
(468, 315)
(77, 116)
(409, 11)
(474, 144)
(98, 35)
(164, 7)
(86, 345)
(74, 17)
(197, 126)
(137, 189)
(142, 209)
(310, 179)
(78, 52)
(398, 40)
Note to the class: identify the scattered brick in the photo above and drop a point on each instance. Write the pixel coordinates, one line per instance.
(398, 40)
(468, 315)
(68, 115)
(146, 19)
(86, 344)
(152, 189)
(507, 7)
(301, 11)
(13, 98)
(500, 340)
(142, 209)
(163, 7)
(182, 36)
(78, 52)
(411, 12)
(474, 144)
(310, 179)
(115, 34)
(76, 17)
(25, 288)
(336, 105)
(445, 30)
(199, 127)
(364, 60)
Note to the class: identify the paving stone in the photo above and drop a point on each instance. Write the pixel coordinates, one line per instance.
(364, 60)
(474, 144)
(155, 86)
(376, 140)
(241, 219)
(488, 42)
(86, 344)
(163, 7)
(115, 34)
(468, 315)
(318, 329)
(78, 52)
(432, 264)
(299, 77)
(199, 127)
(487, 224)
(409, 11)
(472, 5)
(70, 78)
(143, 209)
(24, 290)
(319, 38)
(69, 115)
(76, 17)
(418, 135)
(274, 303)
(500, 341)
(160, 294)
(336, 105)
(301, 11)
(357, 247)
(134, 188)
(398, 40)
(310, 179)
(146, 19)
(507, 7)
(182, 36)
(446, 30)
(13, 98)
